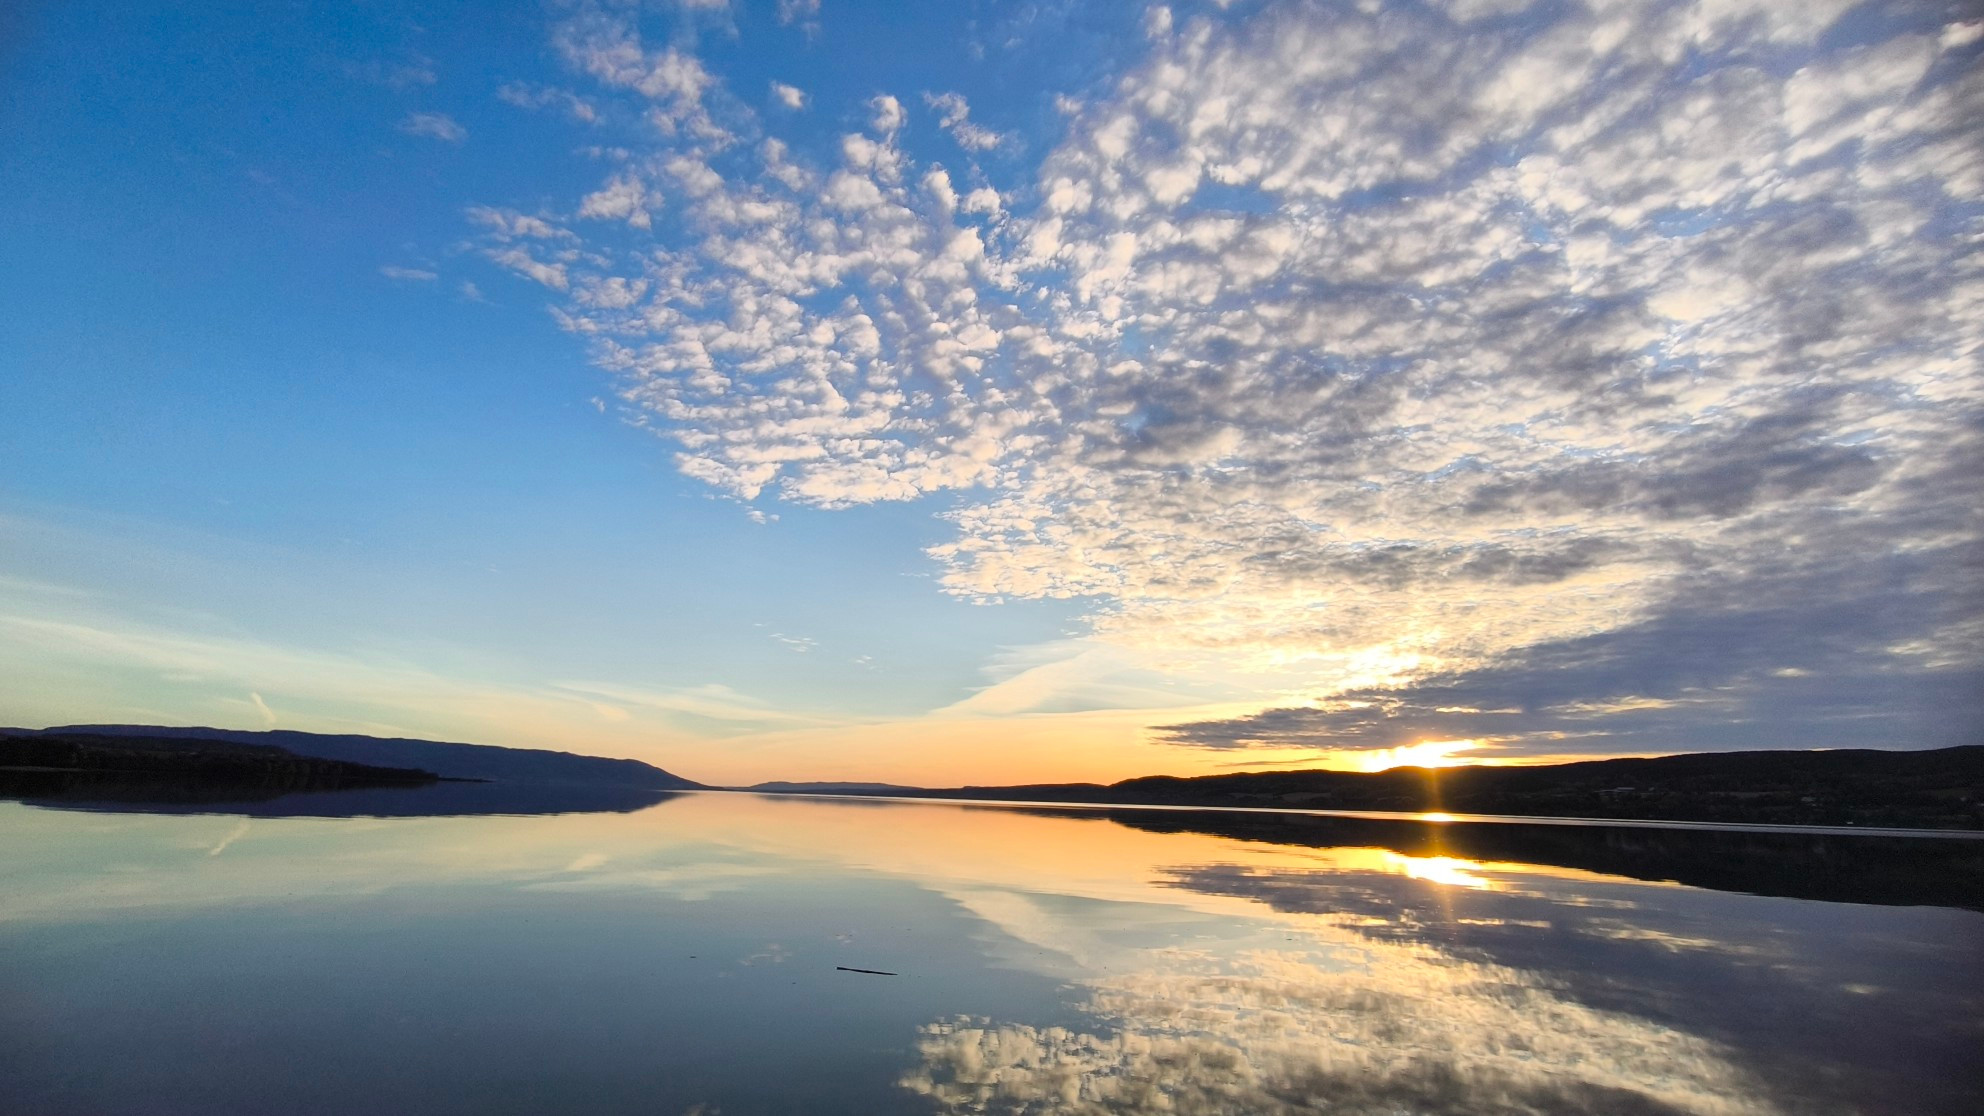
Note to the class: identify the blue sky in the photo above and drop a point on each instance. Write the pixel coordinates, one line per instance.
(995, 391)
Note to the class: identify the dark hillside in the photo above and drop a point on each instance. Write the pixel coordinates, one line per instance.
(454, 761)
(1939, 789)
(45, 759)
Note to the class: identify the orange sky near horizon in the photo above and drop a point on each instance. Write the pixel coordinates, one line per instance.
(1103, 747)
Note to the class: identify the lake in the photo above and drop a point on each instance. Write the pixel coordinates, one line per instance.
(702, 955)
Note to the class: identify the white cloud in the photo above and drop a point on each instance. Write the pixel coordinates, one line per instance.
(434, 125)
(791, 96)
(523, 263)
(524, 95)
(1356, 346)
(887, 115)
(953, 115)
(609, 48)
(624, 198)
(804, 14)
(508, 224)
(414, 274)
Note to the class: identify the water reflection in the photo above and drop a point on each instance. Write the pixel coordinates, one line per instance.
(1939, 871)
(1071, 963)
(1333, 1028)
(150, 794)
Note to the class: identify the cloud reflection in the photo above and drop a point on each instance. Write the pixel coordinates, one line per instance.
(1406, 1029)
(1123, 969)
(1371, 1012)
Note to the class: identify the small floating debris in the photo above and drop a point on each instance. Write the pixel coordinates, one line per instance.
(870, 972)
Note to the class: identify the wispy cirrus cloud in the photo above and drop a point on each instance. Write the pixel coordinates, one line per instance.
(1369, 351)
(528, 96)
(372, 691)
(401, 74)
(434, 125)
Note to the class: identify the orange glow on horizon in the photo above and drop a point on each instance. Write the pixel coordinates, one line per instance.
(1426, 753)
(1102, 746)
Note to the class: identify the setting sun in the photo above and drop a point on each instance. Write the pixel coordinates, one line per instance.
(1426, 753)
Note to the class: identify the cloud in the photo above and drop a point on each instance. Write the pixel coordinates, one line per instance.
(541, 251)
(1365, 350)
(1071, 676)
(414, 71)
(239, 831)
(888, 115)
(523, 263)
(1783, 659)
(711, 702)
(509, 225)
(608, 47)
(434, 125)
(525, 95)
(1406, 1028)
(413, 274)
(369, 691)
(791, 96)
(624, 198)
(803, 14)
(953, 115)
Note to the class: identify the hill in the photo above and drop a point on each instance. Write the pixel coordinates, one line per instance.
(449, 760)
(1937, 789)
(258, 768)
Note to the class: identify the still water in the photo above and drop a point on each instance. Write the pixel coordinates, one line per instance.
(692, 957)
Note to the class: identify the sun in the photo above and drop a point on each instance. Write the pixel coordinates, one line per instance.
(1426, 753)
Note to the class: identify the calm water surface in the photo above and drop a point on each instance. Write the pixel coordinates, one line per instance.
(686, 959)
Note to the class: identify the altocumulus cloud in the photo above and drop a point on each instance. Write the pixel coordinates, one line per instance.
(1567, 374)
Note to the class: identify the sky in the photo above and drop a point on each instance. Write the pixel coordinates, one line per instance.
(995, 393)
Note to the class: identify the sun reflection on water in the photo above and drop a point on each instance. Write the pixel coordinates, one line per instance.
(1447, 871)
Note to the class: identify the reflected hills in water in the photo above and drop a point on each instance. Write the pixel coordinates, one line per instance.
(443, 798)
(1833, 867)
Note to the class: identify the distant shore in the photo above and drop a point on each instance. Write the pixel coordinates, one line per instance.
(1853, 790)
(1421, 817)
